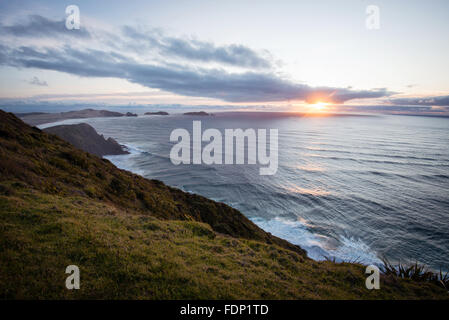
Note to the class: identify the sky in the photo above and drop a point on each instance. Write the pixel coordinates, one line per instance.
(292, 54)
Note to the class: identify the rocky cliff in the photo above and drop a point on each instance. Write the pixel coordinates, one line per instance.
(84, 137)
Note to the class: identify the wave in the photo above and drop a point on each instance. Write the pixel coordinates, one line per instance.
(127, 161)
(358, 160)
(319, 247)
(383, 155)
(132, 149)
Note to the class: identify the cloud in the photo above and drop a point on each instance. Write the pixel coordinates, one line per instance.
(38, 26)
(35, 81)
(234, 54)
(405, 110)
(96, 59)
(341, 95)
(213, 83)
(427, 101)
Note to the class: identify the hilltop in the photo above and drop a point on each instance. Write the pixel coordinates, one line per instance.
(135, 238)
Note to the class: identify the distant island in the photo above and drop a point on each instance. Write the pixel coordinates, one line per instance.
(199, 113)
(37, 118)
(84, 137)
(159, 113)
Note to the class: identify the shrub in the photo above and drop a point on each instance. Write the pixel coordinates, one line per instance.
(416, 272)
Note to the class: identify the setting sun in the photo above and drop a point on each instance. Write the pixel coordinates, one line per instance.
(318, 106)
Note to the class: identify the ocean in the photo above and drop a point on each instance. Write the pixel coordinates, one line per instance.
(349, 187)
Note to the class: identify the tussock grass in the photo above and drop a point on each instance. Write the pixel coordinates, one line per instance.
(415, 272)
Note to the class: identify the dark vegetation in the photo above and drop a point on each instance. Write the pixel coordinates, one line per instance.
(416, 272)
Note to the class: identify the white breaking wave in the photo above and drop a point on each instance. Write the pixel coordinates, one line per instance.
(126, 161)
(317, 247)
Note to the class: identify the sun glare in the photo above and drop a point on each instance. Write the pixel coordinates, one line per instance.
(318, 106)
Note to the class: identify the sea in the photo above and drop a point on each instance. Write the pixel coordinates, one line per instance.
(355, 188)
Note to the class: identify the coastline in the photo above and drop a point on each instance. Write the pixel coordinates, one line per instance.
(297, 232)
(316, 250)
(56, 208)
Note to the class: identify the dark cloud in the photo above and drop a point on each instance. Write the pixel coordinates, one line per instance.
(3, 54)
(35, 81)
(340, 95)
(404, 110)
(141, 41)
(38, 26)
(213, 83)
(112, 61)
(427, 101)
(235, 55)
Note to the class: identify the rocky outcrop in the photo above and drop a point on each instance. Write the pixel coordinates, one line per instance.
(200, 113)
(84, 137)
(159, 113)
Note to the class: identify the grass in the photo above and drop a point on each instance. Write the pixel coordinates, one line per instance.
(128, 255)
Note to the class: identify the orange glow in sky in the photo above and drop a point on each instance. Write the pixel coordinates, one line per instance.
(318, 106)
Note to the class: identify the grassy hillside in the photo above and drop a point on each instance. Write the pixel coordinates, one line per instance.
(46, 163)
(138, 238)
